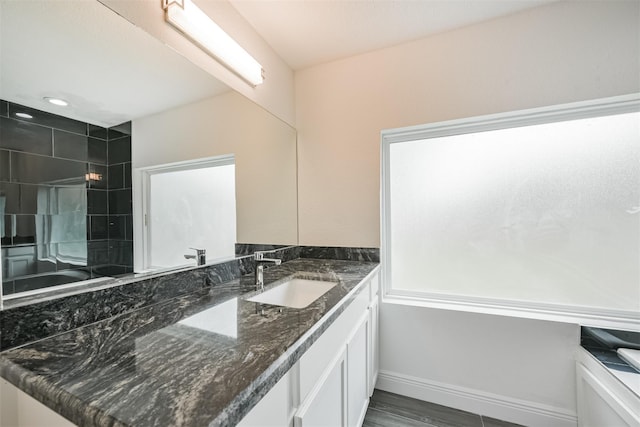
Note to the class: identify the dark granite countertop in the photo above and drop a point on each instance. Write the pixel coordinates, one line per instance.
(163, 365)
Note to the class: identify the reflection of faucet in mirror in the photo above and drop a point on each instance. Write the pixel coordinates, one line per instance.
(260, 260)
(200, 256)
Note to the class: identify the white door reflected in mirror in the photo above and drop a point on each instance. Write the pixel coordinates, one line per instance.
(189, 205)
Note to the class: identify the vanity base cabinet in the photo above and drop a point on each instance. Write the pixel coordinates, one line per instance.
(18, 409)
(331, 383)
(602, 400)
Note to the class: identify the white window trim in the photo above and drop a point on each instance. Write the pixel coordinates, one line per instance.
(543, 311)
(144, 176)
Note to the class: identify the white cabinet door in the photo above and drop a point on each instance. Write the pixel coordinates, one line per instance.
(275, 408)
(600, 403)
(357, 373)
(374, 344)
(326, 403)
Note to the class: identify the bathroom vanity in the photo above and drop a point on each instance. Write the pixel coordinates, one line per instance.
(212, 357)
(608, 388)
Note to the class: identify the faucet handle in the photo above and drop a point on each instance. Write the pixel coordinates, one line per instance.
(199, 251)
(259, 256)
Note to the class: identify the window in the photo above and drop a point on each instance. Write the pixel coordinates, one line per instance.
(189, 205)
(536, 211)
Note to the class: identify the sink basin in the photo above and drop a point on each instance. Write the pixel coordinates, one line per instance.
(294, 293)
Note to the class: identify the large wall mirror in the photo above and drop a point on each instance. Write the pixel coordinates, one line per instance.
(71, 199)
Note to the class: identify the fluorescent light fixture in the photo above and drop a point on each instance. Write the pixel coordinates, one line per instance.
(195, 24)
(24, 115)
(56, 101)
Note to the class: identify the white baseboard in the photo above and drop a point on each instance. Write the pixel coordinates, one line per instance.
(480, 402)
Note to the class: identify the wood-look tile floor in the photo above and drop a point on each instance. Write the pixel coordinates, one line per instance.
(392, 410)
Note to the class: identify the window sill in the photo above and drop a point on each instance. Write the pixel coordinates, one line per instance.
(585, 316)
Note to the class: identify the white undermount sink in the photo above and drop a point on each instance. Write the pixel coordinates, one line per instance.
(295, 292)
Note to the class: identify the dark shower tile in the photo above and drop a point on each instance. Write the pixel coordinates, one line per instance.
(117, 227)
(99, 227)
(6, 233)
(97, 151)
(28, 198)
(4, 108)
(129, 227)
(110, 270)
(69, 145)
(116, 176)
(98, 176)
(4, 165)
(25, 228)
(119, 150)
(7, 287)
(120, 252)
(11, 194)
(51, 120)
(98, 252)
(120, 130)
(27, 137)
(120, 202)
(127, 175)
(97, 131)
(97, 202)
(19, 198)
(30, 169)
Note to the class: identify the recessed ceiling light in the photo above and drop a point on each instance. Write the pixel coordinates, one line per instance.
(56, 101)
(24, 115)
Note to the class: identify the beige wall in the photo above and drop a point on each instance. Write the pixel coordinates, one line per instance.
(265, 155)
(563, 52)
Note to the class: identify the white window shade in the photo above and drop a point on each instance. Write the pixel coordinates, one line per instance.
(546, 214)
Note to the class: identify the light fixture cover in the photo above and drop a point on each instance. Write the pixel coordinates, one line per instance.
(185, 16)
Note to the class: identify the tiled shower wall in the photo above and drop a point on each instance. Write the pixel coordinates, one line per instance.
(65, 199)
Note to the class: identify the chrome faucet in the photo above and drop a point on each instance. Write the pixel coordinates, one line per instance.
(259, 259)
(200, 256)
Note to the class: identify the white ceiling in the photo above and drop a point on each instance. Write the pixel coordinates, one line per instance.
(310, 32)
(108, 69)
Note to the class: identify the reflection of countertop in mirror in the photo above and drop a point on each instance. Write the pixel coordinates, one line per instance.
(155, 366)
